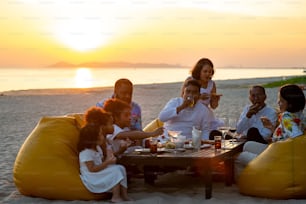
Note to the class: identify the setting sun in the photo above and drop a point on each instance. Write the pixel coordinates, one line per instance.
(83, 78)
(233, 33)
(81, 35)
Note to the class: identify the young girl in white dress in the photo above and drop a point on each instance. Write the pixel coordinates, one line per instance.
(203, 71)
(99, 171)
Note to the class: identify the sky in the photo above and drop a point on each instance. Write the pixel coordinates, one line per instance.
(245, 33)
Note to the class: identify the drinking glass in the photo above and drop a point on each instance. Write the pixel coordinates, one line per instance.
(218, 141)
(153, 145)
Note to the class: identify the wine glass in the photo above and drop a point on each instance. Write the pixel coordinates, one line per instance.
(232, 123)
(224, 129)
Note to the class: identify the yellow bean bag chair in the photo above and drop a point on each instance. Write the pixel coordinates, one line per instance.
(154, 124)
(278, 173)
(47, 164)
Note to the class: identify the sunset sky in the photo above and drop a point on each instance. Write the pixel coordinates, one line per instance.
(259, 33)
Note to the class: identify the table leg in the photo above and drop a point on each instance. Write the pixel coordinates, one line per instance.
(208, 180)
(229, 171)
(149, 174)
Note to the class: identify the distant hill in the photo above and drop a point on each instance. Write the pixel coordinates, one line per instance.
(112, 64)
(62, 64)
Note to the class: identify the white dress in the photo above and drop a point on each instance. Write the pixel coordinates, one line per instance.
(215, 121)
(104, 180)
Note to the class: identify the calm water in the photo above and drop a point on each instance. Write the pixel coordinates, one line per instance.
(21, 79)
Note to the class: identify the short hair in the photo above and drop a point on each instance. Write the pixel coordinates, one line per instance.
(258, 87)
(192, 82)
(294, 96)
(88, 136)
(96, 115)
(196, 70)
(115, 106)
(122, 81)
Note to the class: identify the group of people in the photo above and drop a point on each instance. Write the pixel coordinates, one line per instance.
(114, 125)
(111, 128)
(263, 125)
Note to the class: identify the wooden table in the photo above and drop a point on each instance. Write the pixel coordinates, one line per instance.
(202, 160)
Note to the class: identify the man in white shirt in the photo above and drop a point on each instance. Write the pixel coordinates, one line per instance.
(250, 123)
(184, 113)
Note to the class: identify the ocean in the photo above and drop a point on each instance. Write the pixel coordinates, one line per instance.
(47, 78)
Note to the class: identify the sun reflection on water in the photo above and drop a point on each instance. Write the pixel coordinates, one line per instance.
(83, 78)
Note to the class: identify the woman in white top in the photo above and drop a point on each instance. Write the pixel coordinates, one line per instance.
(203, 71)
(98, 168)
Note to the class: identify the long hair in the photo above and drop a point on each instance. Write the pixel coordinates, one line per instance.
(88, 136)
(196, 70)
(294, 96)
(95, 118)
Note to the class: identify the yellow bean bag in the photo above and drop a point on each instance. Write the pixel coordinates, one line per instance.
(47, 164)
(154, 124)
(278, 173)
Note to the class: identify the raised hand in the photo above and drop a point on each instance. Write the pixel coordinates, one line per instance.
(267, 123)
(253, 110)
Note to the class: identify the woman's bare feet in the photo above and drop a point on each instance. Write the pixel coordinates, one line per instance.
(124, 194)
(116, 200)
(126, 198)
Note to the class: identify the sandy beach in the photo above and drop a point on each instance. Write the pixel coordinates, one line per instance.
(21, 110)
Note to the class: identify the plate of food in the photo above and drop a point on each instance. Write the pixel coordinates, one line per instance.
(173, 133)
(216, 94)
(180, 149)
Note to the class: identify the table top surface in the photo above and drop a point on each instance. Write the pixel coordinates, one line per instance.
(206, 152)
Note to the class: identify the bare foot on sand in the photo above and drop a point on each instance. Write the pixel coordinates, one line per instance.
(126, 198)
(116, 200)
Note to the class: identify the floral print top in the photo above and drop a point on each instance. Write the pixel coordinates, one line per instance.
(291, 125)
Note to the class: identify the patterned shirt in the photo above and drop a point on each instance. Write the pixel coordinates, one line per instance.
(291, 125)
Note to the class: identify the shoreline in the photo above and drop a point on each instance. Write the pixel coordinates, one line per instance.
(230, 83)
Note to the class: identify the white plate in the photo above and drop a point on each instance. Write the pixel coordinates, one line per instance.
(205, 146)
(147, 150)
